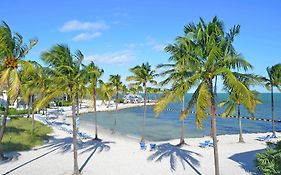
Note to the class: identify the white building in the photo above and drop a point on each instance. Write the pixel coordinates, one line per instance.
(3, 99)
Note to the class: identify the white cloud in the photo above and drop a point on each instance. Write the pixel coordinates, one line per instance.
(155, 45)
(86, 36)
(75, 25)
(119, 58)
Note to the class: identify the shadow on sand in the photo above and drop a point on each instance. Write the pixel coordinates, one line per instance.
(63, 145)
(93, 146)
(172, 152)
(246, 160)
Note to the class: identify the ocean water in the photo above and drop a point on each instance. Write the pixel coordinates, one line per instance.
(167, 125)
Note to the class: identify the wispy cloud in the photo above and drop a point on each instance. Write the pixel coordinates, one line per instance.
(155, 45)
(75, 25)
(119, 57)
(152, 43)
(86, 36)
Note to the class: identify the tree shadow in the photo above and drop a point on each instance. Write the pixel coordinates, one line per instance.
(172, 152)
(94, 145)
(10, 156)
(63, 145)
(14, 130)
(246, 160)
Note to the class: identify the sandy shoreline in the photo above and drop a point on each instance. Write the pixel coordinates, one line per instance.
(118, 154)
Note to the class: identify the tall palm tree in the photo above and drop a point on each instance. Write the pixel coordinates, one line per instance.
(12, 52)
(207, 54)
(115, 80)
(142, 75)
(94, 73)
(177, 72)
(273, 80)
(66, 71)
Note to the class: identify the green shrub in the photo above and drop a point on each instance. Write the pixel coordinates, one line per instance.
(63, 103)
(2, 108)
(13, 111)
(269, 162)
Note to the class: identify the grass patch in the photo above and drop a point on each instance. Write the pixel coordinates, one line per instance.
(18, 135)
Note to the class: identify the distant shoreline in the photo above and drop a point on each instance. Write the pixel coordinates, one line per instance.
(87, 107)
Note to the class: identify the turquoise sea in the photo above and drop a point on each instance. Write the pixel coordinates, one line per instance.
(167, 125)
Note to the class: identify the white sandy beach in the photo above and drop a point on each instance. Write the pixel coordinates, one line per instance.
(117, 154)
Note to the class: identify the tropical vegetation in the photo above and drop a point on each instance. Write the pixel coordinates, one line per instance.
(268, 162)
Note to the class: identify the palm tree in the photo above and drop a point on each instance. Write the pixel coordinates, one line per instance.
(33, 85)
(273, 80)
(115, 80)
(178, 73)
(105, 92)
(12, 52)
(94, 73)
(236, 100)
(142, 76)
(208, 54)
(66, 71)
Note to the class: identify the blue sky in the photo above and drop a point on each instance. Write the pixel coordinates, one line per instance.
(120, 34)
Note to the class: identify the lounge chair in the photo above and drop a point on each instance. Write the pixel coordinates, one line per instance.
(152, 146)
(266, 138)
(83, 135)
(142, 146)
(205, 144)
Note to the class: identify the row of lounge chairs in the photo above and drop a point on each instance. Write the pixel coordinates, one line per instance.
(63, 127)
(143, 146)
(208, 143)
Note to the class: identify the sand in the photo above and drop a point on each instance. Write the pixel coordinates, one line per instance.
(117, 154)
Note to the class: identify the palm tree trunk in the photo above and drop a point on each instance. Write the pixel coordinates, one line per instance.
(144, 113)
(95, 112)
(214, 130)
(74, 127)
(77, 103)
(241, 140)
(116, 109)
(182, 142)
(29, 105)
(272, 110)
(33, 123)
(3, 126)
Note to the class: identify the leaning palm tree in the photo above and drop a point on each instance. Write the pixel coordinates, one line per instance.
(142, 76)
(115, 81)
(12, 52)
(177, 72)
(273, 80)
(93, 74)
(235, 101)
(66, 72)
(207, 54)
